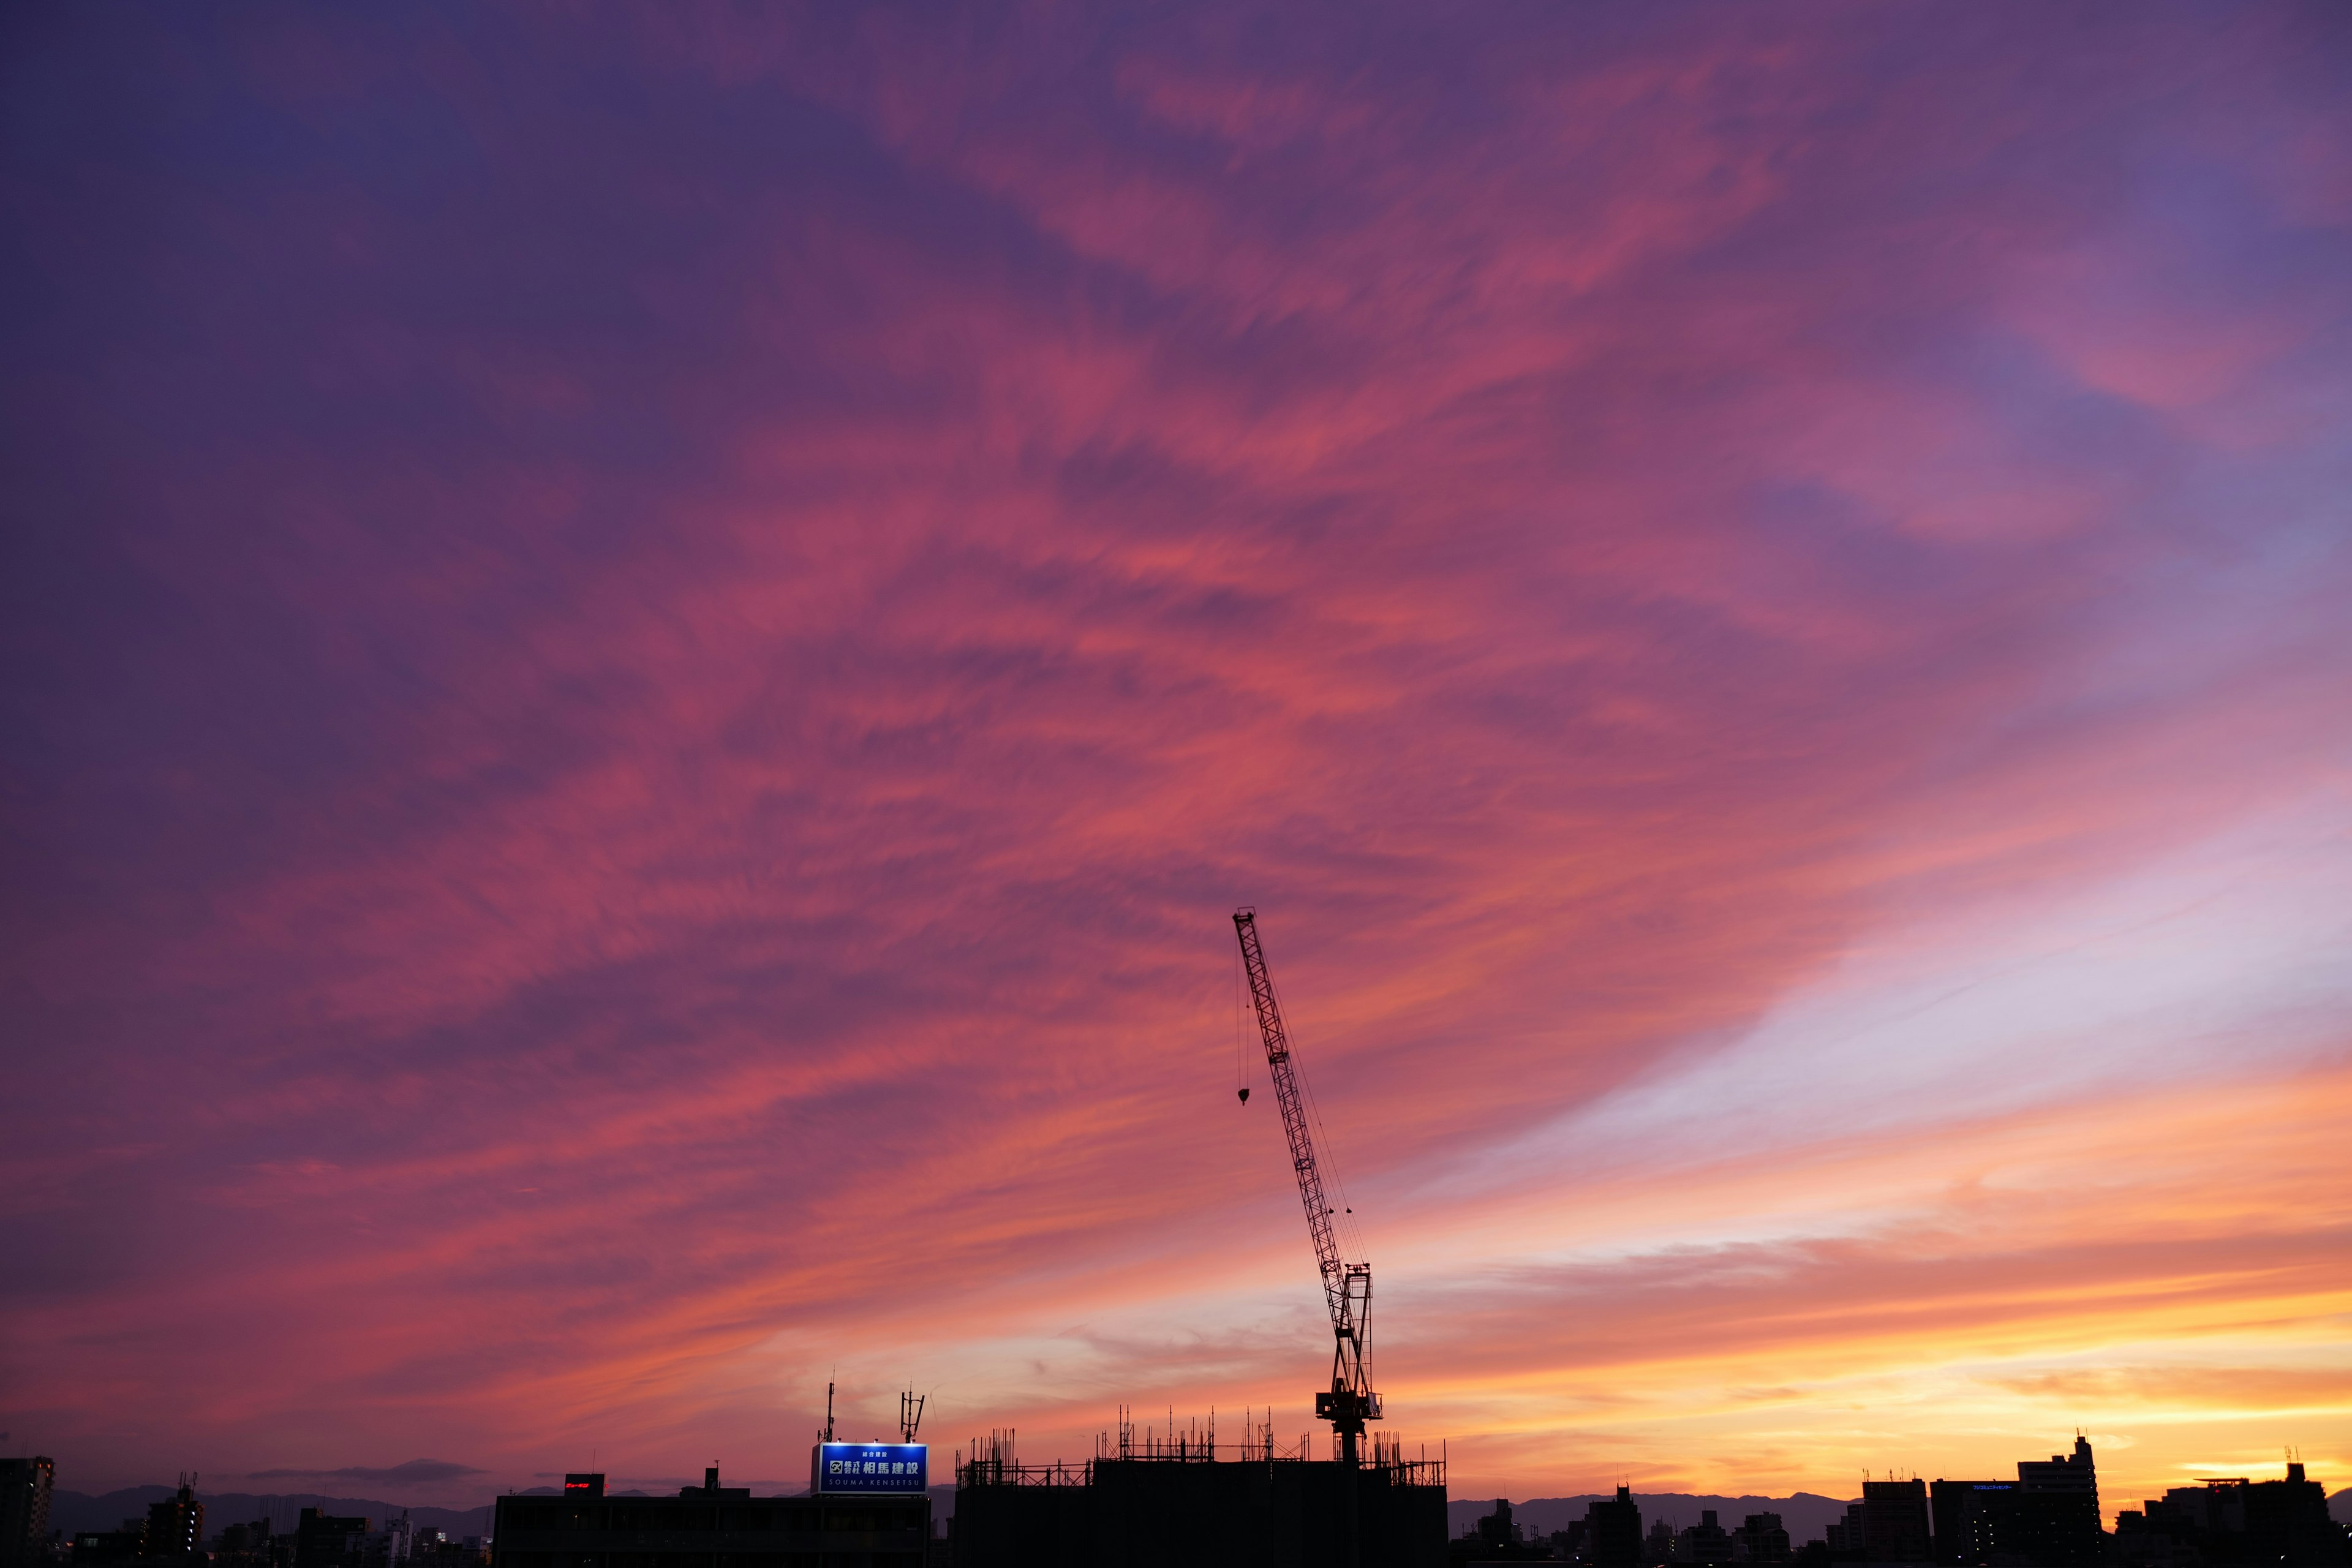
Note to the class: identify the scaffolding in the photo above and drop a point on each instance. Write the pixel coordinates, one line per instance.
(996, 1461)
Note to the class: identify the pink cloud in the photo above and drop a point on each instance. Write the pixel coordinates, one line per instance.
(644, 716)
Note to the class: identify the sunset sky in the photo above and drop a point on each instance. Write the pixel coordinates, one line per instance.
(646, 651)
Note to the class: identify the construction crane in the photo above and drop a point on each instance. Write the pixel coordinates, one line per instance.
(1347, 1286)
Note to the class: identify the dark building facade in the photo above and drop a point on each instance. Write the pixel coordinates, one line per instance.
(1894, 1521)
(2059, 1506)
(2280, 1524)
(252, 1543)
(2000, 1524)
(1705, 1541)
(175, 1527)
(1198, 1512)
(1843, 1536)
(1975, 1521)
(709, 1526)
(25, 1487)
(2047, 1518)
(1613, 1530)
(2287, 1522)
(109, 1545)
(330, 1539)
(1762, 1538)
(1495, 1538)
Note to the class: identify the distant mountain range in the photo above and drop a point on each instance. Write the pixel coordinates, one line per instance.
(1804, 1515)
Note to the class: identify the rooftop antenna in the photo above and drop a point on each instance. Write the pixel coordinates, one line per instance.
(910, 1413)
(828, 1410)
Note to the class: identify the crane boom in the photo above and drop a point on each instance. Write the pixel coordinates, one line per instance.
(1347, 1286)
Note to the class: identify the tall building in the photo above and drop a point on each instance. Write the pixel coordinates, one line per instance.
(1613, 1530)
(175, 1527)
(2047, 1518)
(2069, 1475)
(2059, 1502)
(25, 1486)
(1894, 1521)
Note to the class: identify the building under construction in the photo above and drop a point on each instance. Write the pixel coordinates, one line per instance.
(1178, 1504)
(1176, 1501)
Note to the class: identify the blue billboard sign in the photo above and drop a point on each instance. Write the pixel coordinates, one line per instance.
(870, 1467)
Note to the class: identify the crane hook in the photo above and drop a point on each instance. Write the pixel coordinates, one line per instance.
(1245, 1094)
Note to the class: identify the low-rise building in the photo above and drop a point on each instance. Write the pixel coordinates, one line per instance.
(2279, 1523)
(330, 1539)
(709, 1526)
(1760, 1537)
(1705, 1541)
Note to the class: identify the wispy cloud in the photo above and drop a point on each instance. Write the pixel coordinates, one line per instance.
(645, 661)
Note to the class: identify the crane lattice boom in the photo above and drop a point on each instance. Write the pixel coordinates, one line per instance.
(1347, 1286)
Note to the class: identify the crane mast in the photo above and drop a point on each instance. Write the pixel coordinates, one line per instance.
(1347, 1286)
